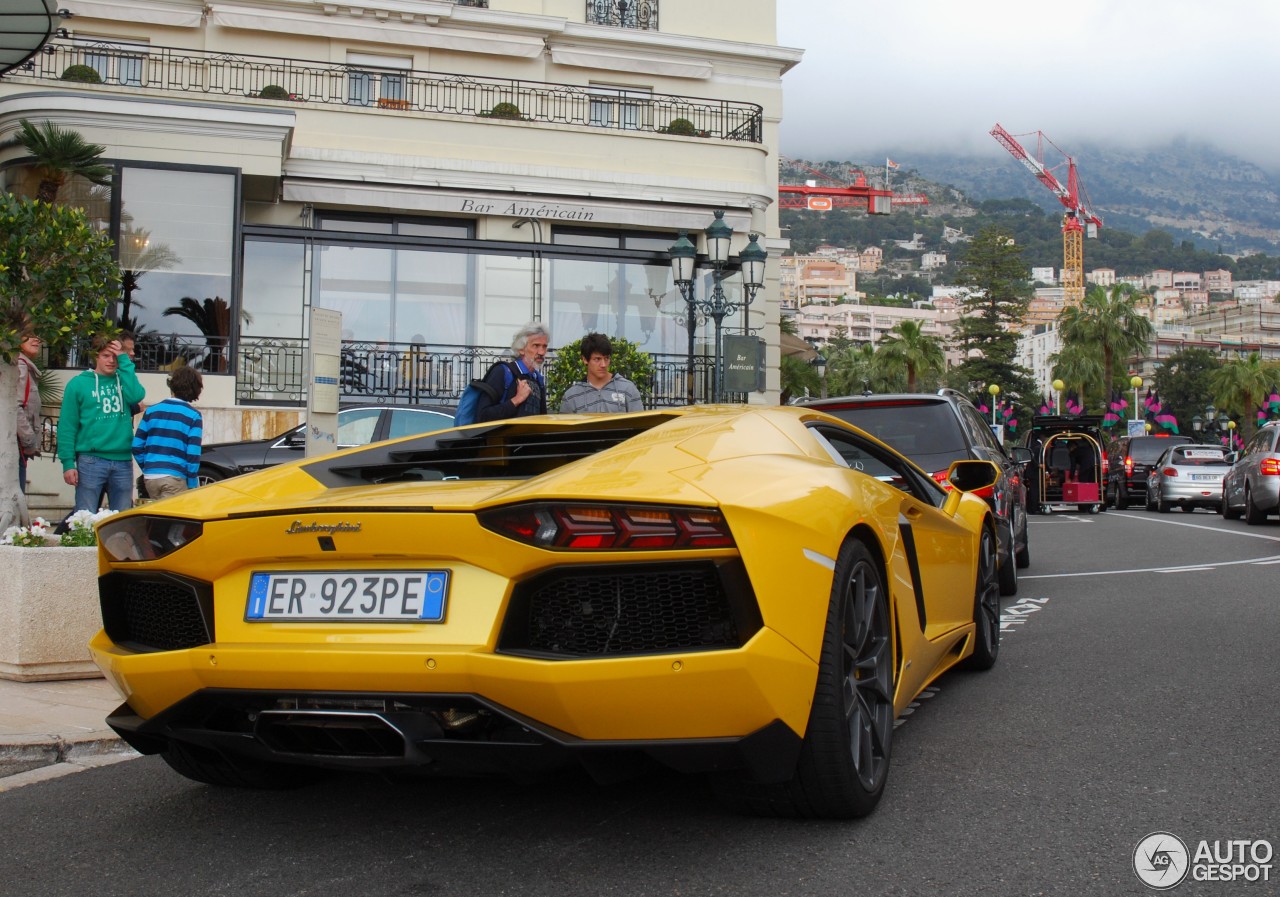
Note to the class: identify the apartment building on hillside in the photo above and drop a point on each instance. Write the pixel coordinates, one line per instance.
(439, 172)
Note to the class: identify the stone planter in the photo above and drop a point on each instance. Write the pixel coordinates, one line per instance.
(48, 612)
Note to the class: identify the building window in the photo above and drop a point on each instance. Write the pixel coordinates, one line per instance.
(617, 107)
(378, 79)
(116, 63)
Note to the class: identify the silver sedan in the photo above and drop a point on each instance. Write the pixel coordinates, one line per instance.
(1189, 476)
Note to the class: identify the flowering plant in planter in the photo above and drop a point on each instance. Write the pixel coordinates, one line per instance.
(80, 531)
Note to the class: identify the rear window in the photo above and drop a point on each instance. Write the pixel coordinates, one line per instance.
(926, 432)
(1148, 449)
(1199, 456)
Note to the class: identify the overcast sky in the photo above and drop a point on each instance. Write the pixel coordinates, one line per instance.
(937, 74)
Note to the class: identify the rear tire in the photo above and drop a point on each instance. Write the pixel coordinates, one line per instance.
(1253, 515)
(986, 608)
(207, 766)
(1009, 570)
(844, 759)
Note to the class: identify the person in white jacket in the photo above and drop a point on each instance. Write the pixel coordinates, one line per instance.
(28, 405)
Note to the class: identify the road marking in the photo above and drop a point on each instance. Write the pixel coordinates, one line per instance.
(1016, 614)
(1212, 529)
(1171, 569)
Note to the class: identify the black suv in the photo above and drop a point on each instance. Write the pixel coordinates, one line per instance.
(1128, 463)
(935, 429)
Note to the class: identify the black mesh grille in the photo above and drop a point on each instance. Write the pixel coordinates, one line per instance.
(156, 612)
(605, 611)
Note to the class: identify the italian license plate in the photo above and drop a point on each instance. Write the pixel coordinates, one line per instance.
(375, 596)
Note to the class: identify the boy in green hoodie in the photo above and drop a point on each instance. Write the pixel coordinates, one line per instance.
(95, 428)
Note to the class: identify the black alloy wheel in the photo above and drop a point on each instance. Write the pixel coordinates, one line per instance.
(844, 758)
(986, 608)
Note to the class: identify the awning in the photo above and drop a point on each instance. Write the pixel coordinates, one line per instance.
(793, 346)
(25, 27)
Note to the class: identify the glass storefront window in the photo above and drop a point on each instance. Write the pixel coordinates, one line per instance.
(274, 287)
(176, 255)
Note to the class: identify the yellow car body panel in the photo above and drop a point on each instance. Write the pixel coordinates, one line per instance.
(788, 507)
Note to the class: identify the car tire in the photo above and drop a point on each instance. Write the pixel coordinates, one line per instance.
(1253, 515)
(1122, 499)
(1228, 512)
(844, 758)
(207, 766)
(207, 475)
(986, 607)
(1009, 571)
(1162, 506)
(1023, 557)
(1151, 505)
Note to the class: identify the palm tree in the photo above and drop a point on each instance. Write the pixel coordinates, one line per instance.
(59, 154)
(212, 318)
(1108, 325)
(852, 369)
(1242, 384)
(1080, 368)
(907, 345)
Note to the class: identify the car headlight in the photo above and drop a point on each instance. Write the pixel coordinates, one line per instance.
(575, 526)
(146, 538)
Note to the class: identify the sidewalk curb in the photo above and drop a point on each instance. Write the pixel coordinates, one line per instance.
(23, 753)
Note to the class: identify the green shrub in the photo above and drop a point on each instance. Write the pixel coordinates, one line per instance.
(568, 368)
(273, 92)
(504, 110)
(681, 126)
(83, 73)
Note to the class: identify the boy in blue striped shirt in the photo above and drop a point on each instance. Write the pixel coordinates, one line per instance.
(167, 442)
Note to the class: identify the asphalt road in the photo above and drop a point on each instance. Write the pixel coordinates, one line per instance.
(1135, 693)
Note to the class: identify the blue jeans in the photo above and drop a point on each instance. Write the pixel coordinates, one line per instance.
(96, 474)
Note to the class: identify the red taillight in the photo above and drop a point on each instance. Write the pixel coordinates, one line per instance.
(1169, 472)
(1270, 467)
(1128, 465)
(1106, 463)
(583, 527)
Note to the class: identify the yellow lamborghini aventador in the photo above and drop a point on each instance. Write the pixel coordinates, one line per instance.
(753, 592)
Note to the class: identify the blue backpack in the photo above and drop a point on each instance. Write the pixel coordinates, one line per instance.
(469, 404)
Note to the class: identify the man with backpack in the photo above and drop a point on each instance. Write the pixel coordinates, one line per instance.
(511, 388)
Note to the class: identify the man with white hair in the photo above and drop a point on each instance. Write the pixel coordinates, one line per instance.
(518, 386)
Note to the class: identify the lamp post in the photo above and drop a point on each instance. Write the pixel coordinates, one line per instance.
(717, 306)
(683, 255)
(820, 365)
(995, 391)
(1058, 386)
(1231, 435)
(1135, 381)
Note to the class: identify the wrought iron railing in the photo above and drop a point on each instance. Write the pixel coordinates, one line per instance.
(170, 70)
(272, 370)
(639, 14)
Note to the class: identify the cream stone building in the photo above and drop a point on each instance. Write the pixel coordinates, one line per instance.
(438, 172)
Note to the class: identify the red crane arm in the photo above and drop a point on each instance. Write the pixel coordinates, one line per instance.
(1072, 195)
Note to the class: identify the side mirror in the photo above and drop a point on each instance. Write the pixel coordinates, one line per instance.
(1020, 454)
(967, 476)
(296, 439)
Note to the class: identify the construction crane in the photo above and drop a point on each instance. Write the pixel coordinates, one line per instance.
(858, 193)
(1077, 222)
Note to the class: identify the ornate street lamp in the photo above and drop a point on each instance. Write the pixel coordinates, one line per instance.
(717, 306)
(683, 256)
(1058, 387)
(1136, 382)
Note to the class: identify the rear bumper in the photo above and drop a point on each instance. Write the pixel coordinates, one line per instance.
(437, 734)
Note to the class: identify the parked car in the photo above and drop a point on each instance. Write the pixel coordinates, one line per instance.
(1128, 463)
(518, 596)
(1188, 477)
(1252, 486)
(357, 425)
(935, 429)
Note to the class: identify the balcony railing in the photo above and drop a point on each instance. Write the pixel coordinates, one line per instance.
(639, 14)
(274, 371)
(169, 70)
